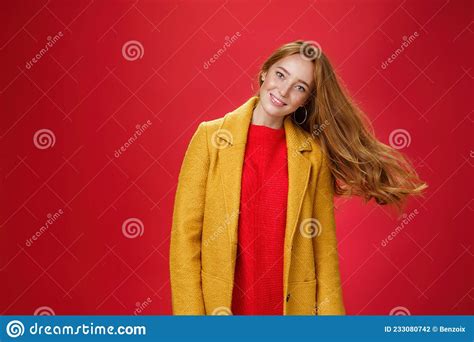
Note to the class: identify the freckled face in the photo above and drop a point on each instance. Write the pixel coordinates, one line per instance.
(287, 85)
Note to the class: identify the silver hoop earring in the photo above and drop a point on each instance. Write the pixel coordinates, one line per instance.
(305, 116)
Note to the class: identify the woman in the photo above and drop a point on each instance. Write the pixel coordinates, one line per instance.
(253, 224)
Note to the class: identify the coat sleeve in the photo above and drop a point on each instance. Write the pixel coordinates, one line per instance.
(329, 298)
(186, 230)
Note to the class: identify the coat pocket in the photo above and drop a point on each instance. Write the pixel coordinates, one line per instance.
(215, 292)
(301, 298)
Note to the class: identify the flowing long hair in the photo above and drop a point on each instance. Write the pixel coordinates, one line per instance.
(360, 164)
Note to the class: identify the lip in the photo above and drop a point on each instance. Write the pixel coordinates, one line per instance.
(276, 101)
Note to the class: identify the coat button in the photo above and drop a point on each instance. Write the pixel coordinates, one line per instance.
(288, 297)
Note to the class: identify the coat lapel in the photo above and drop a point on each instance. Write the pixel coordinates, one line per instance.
(231, 137)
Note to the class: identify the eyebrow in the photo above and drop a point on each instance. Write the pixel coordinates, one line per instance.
(290, 74)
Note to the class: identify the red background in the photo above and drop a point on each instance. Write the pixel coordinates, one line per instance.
(91, 97)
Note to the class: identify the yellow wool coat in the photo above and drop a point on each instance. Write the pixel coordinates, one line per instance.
(204, 232)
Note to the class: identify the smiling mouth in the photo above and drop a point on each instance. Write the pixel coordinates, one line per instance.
(277, 101)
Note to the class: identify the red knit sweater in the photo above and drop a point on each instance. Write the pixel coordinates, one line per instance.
(258, 284)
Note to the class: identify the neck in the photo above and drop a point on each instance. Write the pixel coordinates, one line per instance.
(262, 118)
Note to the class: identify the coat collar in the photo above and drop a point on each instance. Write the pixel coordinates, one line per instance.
(237, 123)
(233, 130)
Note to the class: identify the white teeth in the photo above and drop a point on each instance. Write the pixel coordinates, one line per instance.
(277, 101)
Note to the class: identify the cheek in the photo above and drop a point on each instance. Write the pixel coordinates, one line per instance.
(298, 98)
(269, 83)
